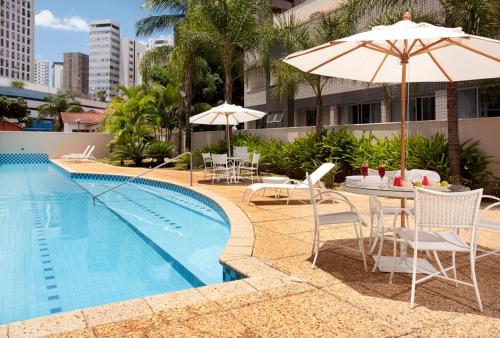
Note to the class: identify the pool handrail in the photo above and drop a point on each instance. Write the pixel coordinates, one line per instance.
(94, 198)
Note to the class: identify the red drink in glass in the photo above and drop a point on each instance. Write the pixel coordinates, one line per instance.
(381, 171)
(364, 170)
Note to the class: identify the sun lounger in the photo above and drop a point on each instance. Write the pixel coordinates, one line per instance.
(290, 187)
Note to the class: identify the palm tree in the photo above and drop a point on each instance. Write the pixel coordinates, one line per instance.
(166, 105)
(56, 104)
(129, 119)
(293, 36)
(231, 27)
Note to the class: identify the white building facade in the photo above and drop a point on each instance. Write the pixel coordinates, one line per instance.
(159, 42)
(57, 75)
(17, 45)
(131, 53)
(104, 62)
(41, 72)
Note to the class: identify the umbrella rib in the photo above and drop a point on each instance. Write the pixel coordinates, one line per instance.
(411, 46)
(424, 49)
(380, 49)
(474, 50)
(435, 61)
(378, 68)
(331, 44)
(394, 47)
(202, 115)
(215, 117)
(432, 49)
(337, 56)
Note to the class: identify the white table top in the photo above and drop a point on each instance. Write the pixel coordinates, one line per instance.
(391, 192)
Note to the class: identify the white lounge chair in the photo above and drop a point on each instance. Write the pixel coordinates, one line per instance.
(490, 224)
(291, 185)
(86, 155)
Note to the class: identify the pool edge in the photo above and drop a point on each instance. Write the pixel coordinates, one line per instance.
(237, 255)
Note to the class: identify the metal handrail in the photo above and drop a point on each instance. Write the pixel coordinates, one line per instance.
(150, 170)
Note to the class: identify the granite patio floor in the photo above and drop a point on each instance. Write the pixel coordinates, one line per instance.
(338, 298)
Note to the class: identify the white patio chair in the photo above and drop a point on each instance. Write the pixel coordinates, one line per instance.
(344, 217)
(291, 185)
(451, 211)
(488, 223)
(84, 156)
(207, 163)
(240, 151)
(251, 166)
(222, 168)
(418, 175)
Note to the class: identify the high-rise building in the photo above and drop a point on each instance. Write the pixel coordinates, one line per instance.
(130, 60)
(104, 65)
(57, 75)
(41, 72)
(76, 73)
(159, 42)
(17, 29)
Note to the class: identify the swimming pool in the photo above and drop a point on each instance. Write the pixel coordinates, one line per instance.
(59, 252)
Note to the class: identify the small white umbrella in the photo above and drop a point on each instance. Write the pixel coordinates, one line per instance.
(381, 55)
(228, 115)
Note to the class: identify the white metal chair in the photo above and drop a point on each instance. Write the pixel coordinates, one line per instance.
(488, 223)
(250, 166)
(240, 151)
(222, 168)
(350, 216)
(291, 185)
(418, 175)
(207, 163)
(451, 211)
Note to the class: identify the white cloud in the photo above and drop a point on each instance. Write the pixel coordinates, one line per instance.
(45, 18)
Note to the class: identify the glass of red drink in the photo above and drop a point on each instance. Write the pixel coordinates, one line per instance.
(381, 173)
(364, 171)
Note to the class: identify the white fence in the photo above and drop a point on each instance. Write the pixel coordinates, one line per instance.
(52, 143)
(485, 130)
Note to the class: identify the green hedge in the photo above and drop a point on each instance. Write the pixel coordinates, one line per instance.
(348, 152)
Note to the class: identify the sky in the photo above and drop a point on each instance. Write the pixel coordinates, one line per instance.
(62, 25)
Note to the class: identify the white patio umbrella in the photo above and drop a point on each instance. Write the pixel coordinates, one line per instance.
(401, 53)
(228, 115)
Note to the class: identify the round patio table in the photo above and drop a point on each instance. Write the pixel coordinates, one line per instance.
(404, 264)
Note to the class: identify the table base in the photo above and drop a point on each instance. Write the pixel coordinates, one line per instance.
(404, 265)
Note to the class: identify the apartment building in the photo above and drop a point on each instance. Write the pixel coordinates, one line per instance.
(104, 62)
(57, 75)
(131, 53)
(17, 44)
(347, 102)
(159, 42)
(41, 75)
(76, 73)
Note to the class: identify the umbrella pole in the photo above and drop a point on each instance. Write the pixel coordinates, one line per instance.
(404, 62)
(227, 137)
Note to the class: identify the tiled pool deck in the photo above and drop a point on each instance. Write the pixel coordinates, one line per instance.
(284, 296)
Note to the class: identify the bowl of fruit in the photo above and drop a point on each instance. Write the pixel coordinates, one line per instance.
(426, 183)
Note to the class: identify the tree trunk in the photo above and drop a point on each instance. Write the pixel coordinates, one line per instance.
(227, 61)
(188, 98)
(319, 111)
(453, 140)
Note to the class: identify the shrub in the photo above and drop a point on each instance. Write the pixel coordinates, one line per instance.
(159, 150)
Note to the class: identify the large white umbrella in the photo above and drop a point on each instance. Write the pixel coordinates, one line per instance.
(401, 53)
(228, 115)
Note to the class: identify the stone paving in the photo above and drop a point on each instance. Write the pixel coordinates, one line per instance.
(338, 298)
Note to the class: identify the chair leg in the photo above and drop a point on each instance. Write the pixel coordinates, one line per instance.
(438, 261)
(474, 281)
(371, 235)
(379, 254)
(361, 244)
(414, 278)
(453, 261)
(315, 246)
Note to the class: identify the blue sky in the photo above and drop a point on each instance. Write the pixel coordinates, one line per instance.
(61, 25)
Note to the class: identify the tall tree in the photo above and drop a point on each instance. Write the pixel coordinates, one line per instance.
(231, 27)
(56, 104)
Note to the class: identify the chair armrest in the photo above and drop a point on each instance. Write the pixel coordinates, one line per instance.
(491, 206)
(491, 197)
(335, 196)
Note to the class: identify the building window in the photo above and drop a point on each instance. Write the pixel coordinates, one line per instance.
(310, 117)
(360, 113)
(419, 109)
(275, 117)
(479, 102)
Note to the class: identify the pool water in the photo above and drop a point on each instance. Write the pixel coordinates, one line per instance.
(59, 252)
